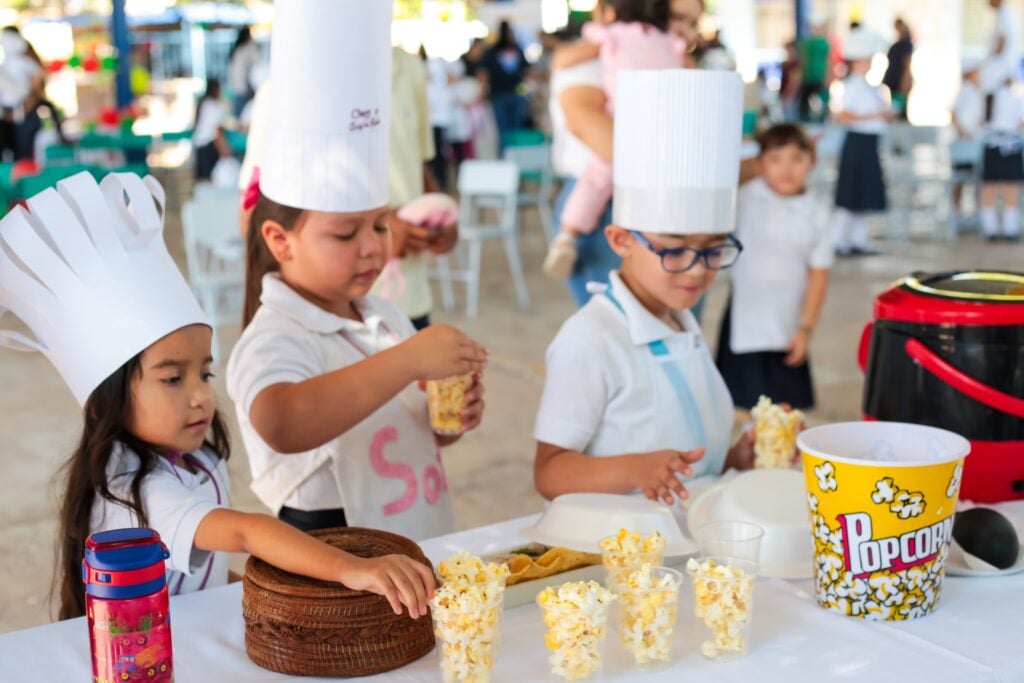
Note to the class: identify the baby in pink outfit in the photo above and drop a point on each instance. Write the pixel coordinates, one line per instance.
(620, 45)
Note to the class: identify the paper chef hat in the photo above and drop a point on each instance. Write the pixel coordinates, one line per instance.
(327, 140)
(87, 270)
(862, 43)
(677, 150)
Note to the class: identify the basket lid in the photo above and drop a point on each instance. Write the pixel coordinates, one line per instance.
(966, 297)
(359, 542)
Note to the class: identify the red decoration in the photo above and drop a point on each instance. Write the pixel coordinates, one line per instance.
(91, 64)
(55, 66)
(109, 116)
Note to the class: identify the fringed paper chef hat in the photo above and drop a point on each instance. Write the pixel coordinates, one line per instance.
(327, 137)
(87, 270)
(677, 150)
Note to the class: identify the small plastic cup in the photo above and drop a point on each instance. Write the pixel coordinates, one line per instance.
(729, 538)
(723, 605)
(445, 400)
(468, 640)
(647, 616)
(575, 640)
(615, 561)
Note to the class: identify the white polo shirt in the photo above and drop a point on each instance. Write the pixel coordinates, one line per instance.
(782, 237)
(860, 97)
(291, 340)
(605, 393)
(175, 501)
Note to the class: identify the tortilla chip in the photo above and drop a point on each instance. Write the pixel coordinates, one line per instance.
(523, 567)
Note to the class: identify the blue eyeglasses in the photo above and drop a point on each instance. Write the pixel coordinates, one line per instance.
(681, 259)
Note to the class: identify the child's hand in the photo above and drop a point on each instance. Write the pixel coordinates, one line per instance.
(440, 351)
(741, 456)
(797, 349)
(473, 412)
(400, 579)
(656, 473)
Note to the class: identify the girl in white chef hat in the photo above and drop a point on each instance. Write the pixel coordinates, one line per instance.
(324, 377)
(86, 269)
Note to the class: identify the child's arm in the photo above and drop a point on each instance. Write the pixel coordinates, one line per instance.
(575, 53)
(557, 471)
(817, 285)
(297, 417)
(400, 579)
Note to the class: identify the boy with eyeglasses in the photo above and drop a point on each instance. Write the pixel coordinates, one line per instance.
(632, 401)
(779, 288)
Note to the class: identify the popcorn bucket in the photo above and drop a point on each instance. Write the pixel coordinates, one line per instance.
(881, 497)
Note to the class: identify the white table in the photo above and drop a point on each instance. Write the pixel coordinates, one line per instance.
(974, 636)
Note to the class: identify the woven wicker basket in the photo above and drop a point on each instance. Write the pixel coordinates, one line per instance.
(301, 626)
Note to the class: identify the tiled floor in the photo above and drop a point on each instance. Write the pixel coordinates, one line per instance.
(490, 471)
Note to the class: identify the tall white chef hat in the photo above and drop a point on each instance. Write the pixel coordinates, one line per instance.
(86, 269)
(327, 134)
(677, 150)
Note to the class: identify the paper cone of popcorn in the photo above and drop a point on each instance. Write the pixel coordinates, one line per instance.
(881, 497)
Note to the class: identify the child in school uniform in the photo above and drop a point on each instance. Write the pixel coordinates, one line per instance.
(325, 376)
(632, 400)
(860, 188)
(86, 269)
(779, 286)
(1002, 166)
(968, 122)
(629, 35)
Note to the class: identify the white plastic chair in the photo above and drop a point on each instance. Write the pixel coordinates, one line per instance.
(483, 185)
(534, 162)
(215, 254)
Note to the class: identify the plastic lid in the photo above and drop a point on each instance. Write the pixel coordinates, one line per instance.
(971, 297)
(124, 563)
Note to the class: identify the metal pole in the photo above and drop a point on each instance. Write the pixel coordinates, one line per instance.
(802, 14)
(123, 44)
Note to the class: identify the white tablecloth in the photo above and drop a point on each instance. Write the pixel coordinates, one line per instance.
(974, 636)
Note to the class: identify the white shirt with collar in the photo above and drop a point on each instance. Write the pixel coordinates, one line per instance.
(291, 340)
(605, 393)
(175, 501)
(782, 237)
(1007, 28)
(860, 98)
(569, 155)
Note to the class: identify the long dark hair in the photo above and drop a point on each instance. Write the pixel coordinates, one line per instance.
(506, 38)
(653, 12)
(258, 259)
(212, 93)
(106, 414)
(244, 38)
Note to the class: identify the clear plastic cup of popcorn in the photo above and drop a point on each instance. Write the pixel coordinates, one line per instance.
(630, 550)
(576, 618)
(730, 538)
(468, 637)
(723, 589)
(647, 611)
(445, 400)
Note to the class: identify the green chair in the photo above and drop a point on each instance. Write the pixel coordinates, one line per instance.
(60, 154)
(525, 137)
(237, 140)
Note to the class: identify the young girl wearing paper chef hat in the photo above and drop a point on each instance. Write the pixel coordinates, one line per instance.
(632, 399)
(324, 377)
(89, 274)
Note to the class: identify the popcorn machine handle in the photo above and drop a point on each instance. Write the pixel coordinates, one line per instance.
(865, 347)
(979, 391)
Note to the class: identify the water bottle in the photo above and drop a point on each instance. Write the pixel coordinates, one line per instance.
(127, 606)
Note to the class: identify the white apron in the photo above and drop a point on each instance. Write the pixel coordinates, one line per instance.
(389, 472)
